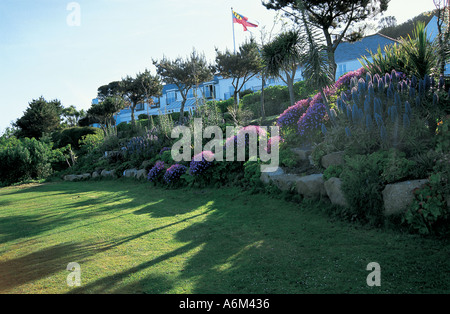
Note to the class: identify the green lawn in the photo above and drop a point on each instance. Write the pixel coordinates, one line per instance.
(130, 237)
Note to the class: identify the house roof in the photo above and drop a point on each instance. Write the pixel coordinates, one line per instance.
(168, 87)
(347, 51)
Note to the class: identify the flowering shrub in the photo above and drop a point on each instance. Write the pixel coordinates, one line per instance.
(156, 172)
(312, 119)
(300, 116)
(345, 79)
(141, 147)
(291, 115)
(173, 173)
(201, 162)
(388, 110)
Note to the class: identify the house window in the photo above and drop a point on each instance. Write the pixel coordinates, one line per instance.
(171, 97)
(139, 107)
(210, 91)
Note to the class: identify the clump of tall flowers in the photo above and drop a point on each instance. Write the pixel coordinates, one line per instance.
(155, 174)
(201, 162)
(174, 173)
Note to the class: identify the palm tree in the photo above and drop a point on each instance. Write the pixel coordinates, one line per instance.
(282, 57)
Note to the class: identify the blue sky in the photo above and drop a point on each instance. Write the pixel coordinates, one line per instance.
(42, 55)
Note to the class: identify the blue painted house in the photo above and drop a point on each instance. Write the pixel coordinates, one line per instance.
(347, 58)
(170, 101)
(347, 54)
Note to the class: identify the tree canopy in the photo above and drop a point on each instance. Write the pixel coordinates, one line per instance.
(333, 17)
(109, 90)
(103, 112)
(184, 73)
(240, 66)
(72, 116)
(282, 57)
(40, 117)
(139, 89)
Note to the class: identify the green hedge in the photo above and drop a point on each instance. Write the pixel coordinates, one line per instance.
(276, 99)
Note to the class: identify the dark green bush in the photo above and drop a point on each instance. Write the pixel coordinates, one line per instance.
(25, 159)
(176, 115)
(364, 178)
(222, 104)
(276, 100)
(72, 136)
(287, 157)
(442, 138)
(123, 127)
(429, 214)
(332, 171)
(245, 92)
(166, 157)
(362, 186)
(303, 91)
(252, 175)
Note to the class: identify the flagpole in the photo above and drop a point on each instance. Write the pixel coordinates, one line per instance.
(232, 24)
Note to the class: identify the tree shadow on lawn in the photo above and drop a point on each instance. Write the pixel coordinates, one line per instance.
(241, 249)
(81, 204)
(15, 227)
(49, 260)
(278, 247)
(137, 194)
(254, 244)
(44, 263)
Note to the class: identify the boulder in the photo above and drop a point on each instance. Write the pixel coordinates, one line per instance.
(282, 180)
(286, 181)
(130, 173)
(270, 174)
(303, 154)
(141, 174)
(311, 186)
(334, 192)
(71, 177)
(332, 159)
(77, 177)
(95, 174)
(85, 176)
(106, 173)
(398, 196)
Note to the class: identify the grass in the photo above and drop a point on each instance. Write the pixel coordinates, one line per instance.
(130, 237)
